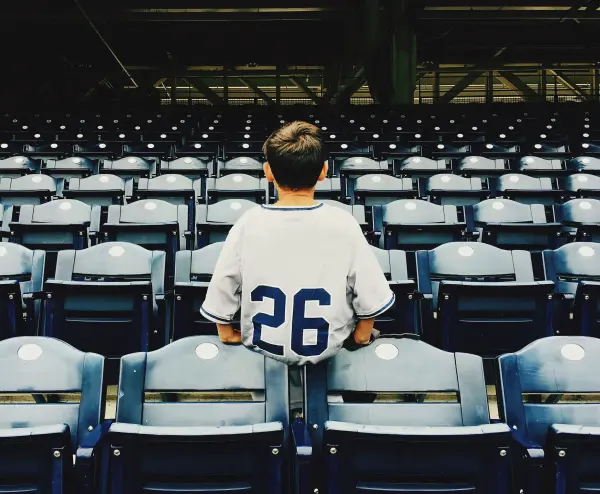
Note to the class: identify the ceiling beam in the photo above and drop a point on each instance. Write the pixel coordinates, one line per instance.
(565, 81)
(201, 87)
(460, 86)
(259, 92)
(506, 14)
(515, 83)
(346, 90)
(300, 84)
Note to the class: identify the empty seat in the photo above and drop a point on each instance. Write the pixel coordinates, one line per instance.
(70, 167)
(237, 186)
(419, 167)
(151, 149)
(529, 190)
(511, 225)
(243, 164)
(9, 147)
(582, 185)
(360, 166)
(108, 299)
(16, 166)
(331, 188)
(585, 164)
(41, 437)
(193, 272)
(556, 437)
(479, 166)
(534, 165)
(30, 189)
(228, 444)
(232, 149)
(581, 219)
(21, 279)
(401, 317)
(481, 299)
(214, 221)
(153, 224)
(575, 270)
(100, 190)
(130, 167)
(190, 166)
(454, 190)
(443, 445)
(412, 225)
(378, 189)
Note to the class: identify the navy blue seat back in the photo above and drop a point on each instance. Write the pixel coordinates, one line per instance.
(193, 272)
(575, 269)
(513, 225)
(481, 299)
(99, 190)
(40, 437)
(108, 299)
(412, 225)
(214, 221)
(21, 278)
(555, 367)
(214, 445)
(442, 444)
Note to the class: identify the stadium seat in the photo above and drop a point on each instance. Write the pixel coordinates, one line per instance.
(581, 219)
(479, 166)
(379, 189)
(585, 164)
(193, 272)
(249, 149)
(582, 185)
(419, 167)
(529, 190)
(16, 166)
(153, 150)
(227, 444)
(42, 437)
(243, 164)
(153, 224)
(69, 167)
(575, 270)
(9, 148)
(237, 186)
(99, 190)
(21, 279)
(130, 167)
(534, 165)
(442, 442)
(190, 166)
(412, 225)
(213, 221)
(481, 299)
(331, 188)
(511, 225)
(446, 189)
(402, 316)
(556, 435)
(109, 299)
(29, 189)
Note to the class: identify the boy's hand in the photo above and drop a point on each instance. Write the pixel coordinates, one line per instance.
(228, 335)
(361, 340)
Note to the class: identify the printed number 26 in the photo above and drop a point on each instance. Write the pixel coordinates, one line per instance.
(300, 322)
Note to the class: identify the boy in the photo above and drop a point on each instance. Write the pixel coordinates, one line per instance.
(301, 270)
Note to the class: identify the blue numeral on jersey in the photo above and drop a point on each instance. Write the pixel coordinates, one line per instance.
(300, 322)
(273, 321)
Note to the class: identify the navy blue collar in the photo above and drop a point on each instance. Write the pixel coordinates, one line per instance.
(291, 208)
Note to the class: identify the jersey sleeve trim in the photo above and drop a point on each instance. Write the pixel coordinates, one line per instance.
(379, 311)
(213, 318)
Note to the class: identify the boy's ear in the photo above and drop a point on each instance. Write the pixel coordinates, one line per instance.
(323, 174)
(268, 173)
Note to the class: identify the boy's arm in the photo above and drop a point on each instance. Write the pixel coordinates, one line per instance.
(223, 296)
(372, 294)
(228, 335)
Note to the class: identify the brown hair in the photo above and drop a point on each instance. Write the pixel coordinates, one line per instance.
(296, 154)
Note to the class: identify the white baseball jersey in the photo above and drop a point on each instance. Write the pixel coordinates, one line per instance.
(301, 275)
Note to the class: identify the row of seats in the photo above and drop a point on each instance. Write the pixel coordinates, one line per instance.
(201, 416)
(117, 297)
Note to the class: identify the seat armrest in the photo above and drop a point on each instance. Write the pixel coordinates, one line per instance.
(87, 458)
(534, 452)
(302, 450)
(33, 296)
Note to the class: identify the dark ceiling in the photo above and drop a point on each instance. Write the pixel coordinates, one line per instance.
(51, 50)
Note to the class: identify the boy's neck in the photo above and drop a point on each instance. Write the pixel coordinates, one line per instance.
(305, 197)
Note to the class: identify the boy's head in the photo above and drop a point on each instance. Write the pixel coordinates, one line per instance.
(295, 156)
